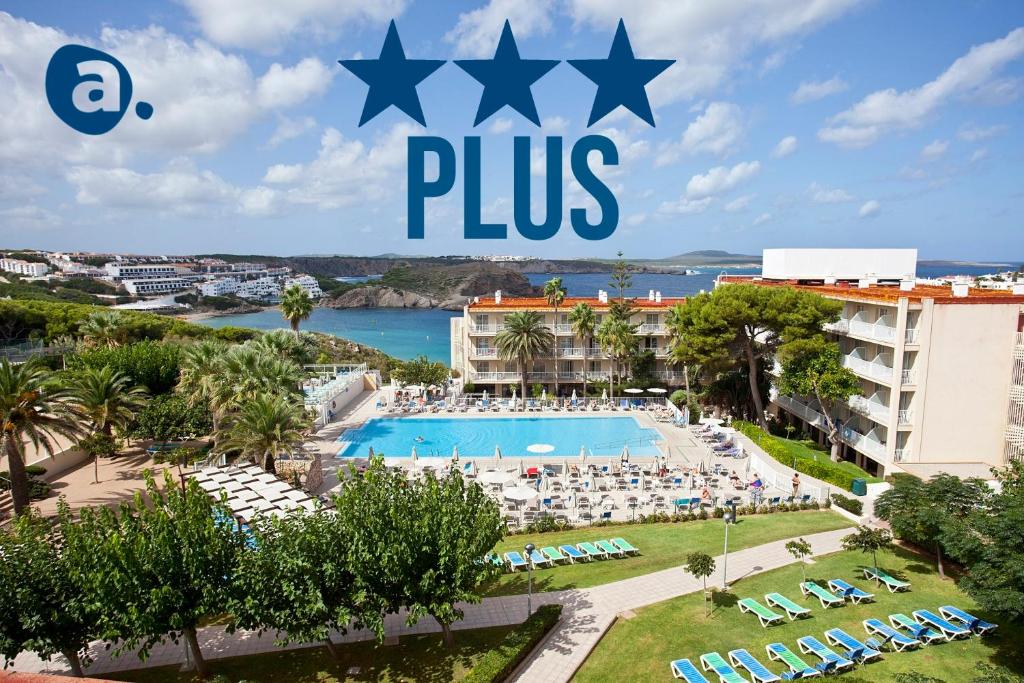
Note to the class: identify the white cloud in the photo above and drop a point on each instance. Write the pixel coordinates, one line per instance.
(19, 186)
(685, 205)
(29, 217)
(786, 146)
(972, 133)
(716, 130)
(501, 125)
(828, 195)
(739, 204)
(935, 149)
(288, 129)
(268, 24)
(180, 188)
(709, 40)
(889, 110)
(476, 33)
(809, 91)
(762, 219)
(721, 179)
(554, 125)
(284, 87)
(635, 219)
(979, 154)
(202, 97)
(869, 208)
(282, 173)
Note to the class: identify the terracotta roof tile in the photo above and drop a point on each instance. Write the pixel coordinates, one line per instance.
(539, 303)
(888, 293)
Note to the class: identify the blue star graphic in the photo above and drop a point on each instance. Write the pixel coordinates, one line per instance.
(621, 79)
(507, 78)
(392, 78)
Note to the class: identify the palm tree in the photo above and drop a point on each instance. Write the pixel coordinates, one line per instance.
(283, 345)
(263, 427)
(554, 292)
(104, 328)
(583, 321)
(618, 339)
(104, 398)
(525, 337)
(34, 410)
(679, 352)
(200, 372)
(296, 306)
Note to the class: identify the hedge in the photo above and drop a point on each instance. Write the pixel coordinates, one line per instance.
(849, 504)
(827, 472)
(498, 663)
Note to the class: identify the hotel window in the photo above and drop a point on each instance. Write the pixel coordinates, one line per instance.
(565, 366)
(650, 344)
(483, 366)
(481, 320)
(595, 366)
(538, 367)
(651, 319)
(565, 343)
(511, 367)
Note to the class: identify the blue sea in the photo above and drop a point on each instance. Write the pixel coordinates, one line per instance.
(409, 332)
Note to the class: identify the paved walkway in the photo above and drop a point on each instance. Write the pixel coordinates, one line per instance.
(587, 614)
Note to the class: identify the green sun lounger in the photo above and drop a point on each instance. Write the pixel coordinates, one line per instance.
(763, 614)
(592, 550)
(686, 670)
(538, 560)
(809, 588)
(793, 610)
(899, 642)
(573, 553)
(854, 649)
(758, 671)
(892, 583)
(625, 546)
(925, 634)
(798, 668)
(712, 661)
(492, 558)
(830, 661)
(553, 554)
(955, 614)
(610, 549)
(943, 626)
(847, 590)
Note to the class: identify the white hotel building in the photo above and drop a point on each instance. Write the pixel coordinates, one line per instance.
(474, 354)
(941, 367)
(26, 268)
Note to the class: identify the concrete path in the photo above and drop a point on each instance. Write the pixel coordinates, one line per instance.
(587, 614)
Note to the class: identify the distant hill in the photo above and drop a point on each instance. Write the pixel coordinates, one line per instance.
(703, 257)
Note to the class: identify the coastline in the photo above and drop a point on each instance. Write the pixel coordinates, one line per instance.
(207, 315)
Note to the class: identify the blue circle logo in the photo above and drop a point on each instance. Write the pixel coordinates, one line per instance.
(90, 90)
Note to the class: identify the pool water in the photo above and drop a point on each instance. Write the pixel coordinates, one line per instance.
(396, 436)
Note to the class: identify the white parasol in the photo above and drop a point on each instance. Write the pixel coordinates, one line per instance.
(455, 453)
(633, 390)
(658, 390)
(520, 493)
(544, 395)
(624, 457)
(604, 394)
(371, 453)
(497, 452)
(412, 456)
(583, 453)
(540, 448)
(713, 421)
(495, 477)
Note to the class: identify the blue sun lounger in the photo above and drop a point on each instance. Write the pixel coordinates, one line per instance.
(925, 634)
(712, 661)
(758, 671)
(896, 640)
(951, 631)
(979, 626)
(685, 669)
(798, 668)
(538, 560)
(830, 661)
(514, 560)
(847, 590)
(855, 650)
(573, 553)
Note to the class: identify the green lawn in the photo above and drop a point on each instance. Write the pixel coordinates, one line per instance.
(677, 628)
(415, 658)
(810, 450)
(661, 546)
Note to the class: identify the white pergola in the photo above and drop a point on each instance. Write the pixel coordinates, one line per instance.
(251, 491)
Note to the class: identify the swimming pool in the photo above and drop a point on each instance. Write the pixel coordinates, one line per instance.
(396, 436)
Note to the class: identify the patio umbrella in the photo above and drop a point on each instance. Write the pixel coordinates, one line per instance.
(540, 448)
(633, 390)
(414, 387)
(604, 395)
(521, 493)
(573, 395)
(485, 394)
(371, 452)
(624, 457)
(544, 395)
(713, 421)
(412, 456)
(497, 452)
(583, 453)
(455, 453)
(495, 477)
(658, 390)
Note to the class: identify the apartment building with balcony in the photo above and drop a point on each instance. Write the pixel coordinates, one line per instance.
(474, 352)
(941, 366)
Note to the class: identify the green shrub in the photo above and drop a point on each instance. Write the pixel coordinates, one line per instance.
(825, 471)
(849, 504)
(499, 662)
(35, 470)
(151, 364)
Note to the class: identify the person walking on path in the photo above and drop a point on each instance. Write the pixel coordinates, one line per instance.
(796, 484)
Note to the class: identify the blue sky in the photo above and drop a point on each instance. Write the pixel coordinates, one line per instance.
(787, 123)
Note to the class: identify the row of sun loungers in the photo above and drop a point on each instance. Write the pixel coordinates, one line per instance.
(900, 635)
(565, 554)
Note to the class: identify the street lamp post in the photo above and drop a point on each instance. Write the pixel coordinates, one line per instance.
(725, 556)
(529, 579)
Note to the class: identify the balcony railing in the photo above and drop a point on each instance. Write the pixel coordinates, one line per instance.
(561, 328)
(864, 444)
(593, 352)
(878, 412)
(839, 326)
(908, 377)
(911, 335)
(486, 329)
(800, 409)
(869, 369)
(900, 454)
(480, 352)
(873, 331)
(651, 328)
(905, 417)
(671, 375)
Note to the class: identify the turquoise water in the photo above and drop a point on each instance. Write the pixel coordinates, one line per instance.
(401, 332)
(396, 436)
